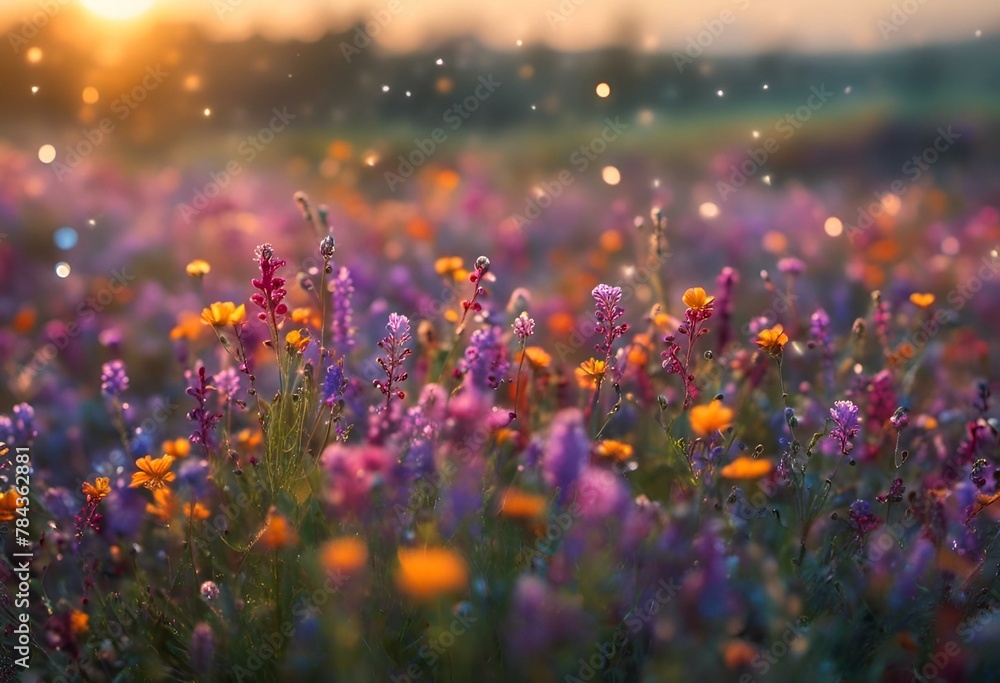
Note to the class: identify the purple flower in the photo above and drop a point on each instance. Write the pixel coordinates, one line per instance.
(354, 474)
(602, 495)
(726, 281)
(271, 289)
(334, 383)
(114, 379)
(19, 428)
(881, 398)
(485, 358)
(820, 337)
(204, 418)
(608, 313)
(861, 518)
(846, 426)
(524, 327)
(896, 491)
(227, 383)
(566, 452)
(342, 289)
(395, 353)
(791, 266)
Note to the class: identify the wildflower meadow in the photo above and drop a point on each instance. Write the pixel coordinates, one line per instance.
(624, 398)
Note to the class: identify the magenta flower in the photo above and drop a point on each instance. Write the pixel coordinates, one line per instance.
(204, 419)
(342, 288)
(846, 426)
(524, 327)
(485, 358)
(114, 379)
(271, 289)
(608, 313)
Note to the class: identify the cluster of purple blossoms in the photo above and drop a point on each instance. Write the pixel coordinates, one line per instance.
(524, 327)
(608, 314)
(334, 383)
(114, 379)
(896, 491)
(485, 358)
(861, 518)
(202, 416)
(566, 452)
(18, 427)
(845, 424)
(227, 383)
(271, 289)
(394, 345)
(342, 288)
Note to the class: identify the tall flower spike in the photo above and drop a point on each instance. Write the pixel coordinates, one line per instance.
(342, 289)
(394, 345)
(608, 314)
(845, 424)
(524, 327)
(114, 379)
(202, 416)
(485, 358)
(271, 289)
(476, 278)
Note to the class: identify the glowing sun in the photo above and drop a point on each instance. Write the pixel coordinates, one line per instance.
(118, 9)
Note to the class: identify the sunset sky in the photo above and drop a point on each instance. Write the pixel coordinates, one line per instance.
(754, 25)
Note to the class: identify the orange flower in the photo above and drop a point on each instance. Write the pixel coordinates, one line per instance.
(922, 299)
(179, 448)
(153, 474)
(250, 438)
(9, 504)
(98, 491)
(590, 372)
(305, 316)
(428, 573)
(773, 340)
(198, 268)
(346, 555)
(188, 326)
(223, 313)
(537, 357)
(79, 622)
(697, 299)
(297, 340)
(711, 418)
(738, 653)
(278, 533)
(614, 450)
(746, 468)
(448, 265)
(165, 504)
(518, 504)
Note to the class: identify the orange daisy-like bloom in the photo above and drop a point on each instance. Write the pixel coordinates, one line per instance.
(198, 268)
(773, 340)
(614, 450)
(153, 473)
(709, 419)
(747, 468)
(697, 299)
(428, 573)
(97, 491)
(9, 504)
(278, 533)
(189, 326)
(922, 299)
(519, 504)
(347, 555)
(223, 313)
(590, 372)
(79, 622)
(297, 340)
(179, 448)
(537, 357)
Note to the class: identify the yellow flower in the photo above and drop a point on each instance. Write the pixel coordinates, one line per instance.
(518, 504)
(179, 448)
(278, 533)
(297, 340)
(773, 340)
(922, 299)
(711, 418)
(79, 622)
(188, 326)
(198, 268)
(249, 438)
(98, 490)
(9, 504)
(428, 573)
(537, 357)
(590, 372)
(746, 468)
(696, 299)
(615, 450)
(346, 555)
(224, 313)
(153, 474)
(305, 316)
